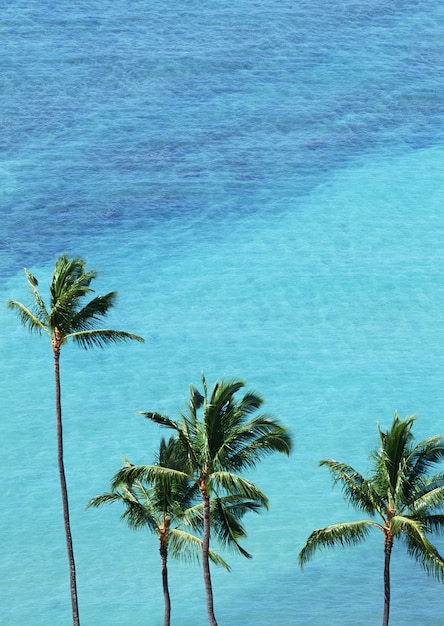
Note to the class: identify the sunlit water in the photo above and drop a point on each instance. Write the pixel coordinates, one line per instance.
(263, 184)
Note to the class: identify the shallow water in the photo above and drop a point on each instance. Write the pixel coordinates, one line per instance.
(263, 185)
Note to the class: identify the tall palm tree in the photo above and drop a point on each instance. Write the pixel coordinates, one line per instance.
(165, 505)
(64, 319)
(227, 439)
(405, 500)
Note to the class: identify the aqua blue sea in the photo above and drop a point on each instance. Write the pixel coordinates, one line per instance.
(262, 181)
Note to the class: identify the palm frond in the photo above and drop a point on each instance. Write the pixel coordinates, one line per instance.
(355, 488)
(138, 515)
(423, 551)
(412, 473)
(239, 505)
(425, 455)
(196, 401)
(400, 524)
(344, 534)
(192, 517)
(434, 522)
(247, 446)
(222, 395)
(27, 317)
(395, 448)
(184, 545)
(237, 485)
(427, 496)
(158, 418)
(217, 559)
(104, 498)
(93, 311)
(135, 514)
(40, 307)
(151, 473)
(430, 522)
(101, 337)
(251, 402)
(226, 515)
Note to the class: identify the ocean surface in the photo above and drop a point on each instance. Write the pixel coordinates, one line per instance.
(263, 183)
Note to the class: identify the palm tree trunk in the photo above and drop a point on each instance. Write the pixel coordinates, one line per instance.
(72, 567)
(166, 592)
(388, 544)
(205, 557)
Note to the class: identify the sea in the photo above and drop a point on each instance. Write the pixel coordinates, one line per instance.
(262, 182)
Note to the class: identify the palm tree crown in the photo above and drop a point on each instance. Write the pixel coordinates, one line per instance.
(228, 438)
(66, 317)
(150, 503)
(400, 496)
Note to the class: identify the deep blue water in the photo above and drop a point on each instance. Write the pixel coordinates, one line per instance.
(263, 184)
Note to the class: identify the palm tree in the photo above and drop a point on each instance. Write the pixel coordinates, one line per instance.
(165, 504)
(67, 319)
(404, 499)
(217, 447)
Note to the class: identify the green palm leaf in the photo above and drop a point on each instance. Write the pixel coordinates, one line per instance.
(186, 546)
(148, 473)
(93, 311)
(344, 534)
(424, 456)
(427, 496)
(356, 489)
(226, 515)
(39, 305)
(422, 550)
(234, 484)
(101, 337)
(27, 317)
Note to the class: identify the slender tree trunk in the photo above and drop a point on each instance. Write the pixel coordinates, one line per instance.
(72, 567)
(205, 557)
(388, 544)
(166, 592)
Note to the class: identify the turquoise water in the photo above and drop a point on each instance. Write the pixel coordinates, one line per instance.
(263, 184)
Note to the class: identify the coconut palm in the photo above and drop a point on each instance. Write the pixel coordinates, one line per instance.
(405, 500)
(65, 319)
(165, 505)
(227, 439)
